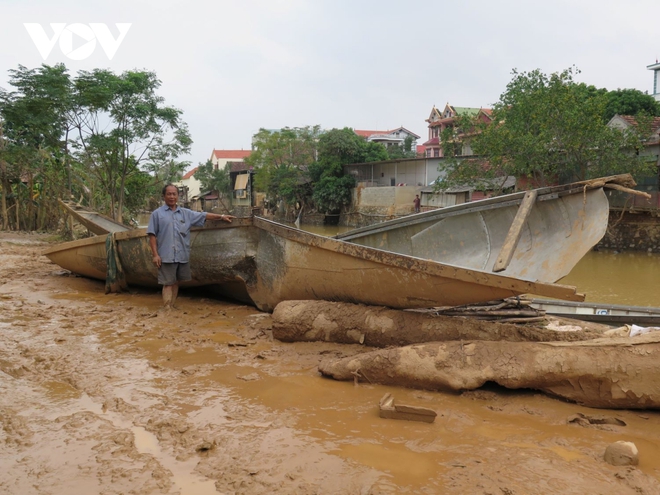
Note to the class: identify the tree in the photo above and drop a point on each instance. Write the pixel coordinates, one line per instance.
(123, 126)
(213, 179)
(33, 149)
(630, 102)
(339, 147)
(546, 128)
(405, 150)
(281, 160)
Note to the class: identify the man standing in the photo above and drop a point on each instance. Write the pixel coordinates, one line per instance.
(416, 203)
(169, 239)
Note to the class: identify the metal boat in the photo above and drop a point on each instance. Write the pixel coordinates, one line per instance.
(537, 235)
(607, 314)
(472, 253)
(263, 263)
(94, 222)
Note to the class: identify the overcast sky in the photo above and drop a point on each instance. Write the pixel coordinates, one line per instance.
(234, 67)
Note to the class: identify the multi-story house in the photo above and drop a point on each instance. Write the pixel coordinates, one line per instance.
(394, 137)
(219, 158)
(440, 120)
(656, 78)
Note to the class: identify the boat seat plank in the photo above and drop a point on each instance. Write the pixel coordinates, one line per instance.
(512, 238)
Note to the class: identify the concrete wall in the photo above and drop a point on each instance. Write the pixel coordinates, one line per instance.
(412, 172)
(384, 196)
(632, 232)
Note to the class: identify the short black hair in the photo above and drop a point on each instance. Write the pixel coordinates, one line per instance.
(165, 189)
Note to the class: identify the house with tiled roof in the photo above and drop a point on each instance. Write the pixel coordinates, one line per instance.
(438, 121)
(393, 137)
(624, 122)
(219, 158)
(189, 187)
(652, 141)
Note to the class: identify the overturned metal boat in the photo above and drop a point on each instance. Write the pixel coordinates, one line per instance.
(263, 263)
(537, 235)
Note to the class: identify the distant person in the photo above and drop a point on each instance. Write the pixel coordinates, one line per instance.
(416, 203)
(169, 239)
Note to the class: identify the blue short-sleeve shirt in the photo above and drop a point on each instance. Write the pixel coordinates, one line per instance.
(172, 231)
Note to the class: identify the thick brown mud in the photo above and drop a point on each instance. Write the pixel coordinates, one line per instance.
(104, 394)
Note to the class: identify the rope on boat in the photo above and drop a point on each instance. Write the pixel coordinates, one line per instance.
(115, 279)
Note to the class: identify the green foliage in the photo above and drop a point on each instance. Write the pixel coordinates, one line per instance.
(92, 137)
(630, 102)
(339, 147)
(35, 114)
(281, 160)
(546, 128)
(331, 193)
(213, 179)
(404, 151)
(122, 125)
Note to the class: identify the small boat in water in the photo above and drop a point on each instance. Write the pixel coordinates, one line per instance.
(607, 314)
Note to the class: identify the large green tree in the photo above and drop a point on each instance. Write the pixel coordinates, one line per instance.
(281, 159)
(630, 102)
(97, 137)
(33, 151)
(213, 179)
(547, 128)
(339, 147)
(123, 126)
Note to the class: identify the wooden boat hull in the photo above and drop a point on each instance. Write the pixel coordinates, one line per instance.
(564, 224)
(265, 262)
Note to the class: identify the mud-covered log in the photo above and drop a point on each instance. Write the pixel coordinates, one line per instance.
(295, 321)
(620, 373)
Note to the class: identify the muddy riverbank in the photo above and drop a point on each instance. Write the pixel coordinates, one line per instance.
(105, 394)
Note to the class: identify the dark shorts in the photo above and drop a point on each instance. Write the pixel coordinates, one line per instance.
(171, 273)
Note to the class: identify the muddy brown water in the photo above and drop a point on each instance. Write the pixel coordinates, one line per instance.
(105, 394)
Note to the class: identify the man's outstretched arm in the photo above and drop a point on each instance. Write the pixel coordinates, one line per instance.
(215, 216)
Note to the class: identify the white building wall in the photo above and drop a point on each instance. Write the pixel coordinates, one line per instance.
(194, 186)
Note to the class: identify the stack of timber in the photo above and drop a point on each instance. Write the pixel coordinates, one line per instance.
(509, 310)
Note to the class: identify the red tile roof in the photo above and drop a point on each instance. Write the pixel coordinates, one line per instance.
(366, 134)
(189, 174)
(231, 153)
(432, 141)
(630, 119)
(238, 166)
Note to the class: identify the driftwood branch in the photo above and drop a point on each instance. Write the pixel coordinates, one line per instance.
(618, 187)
